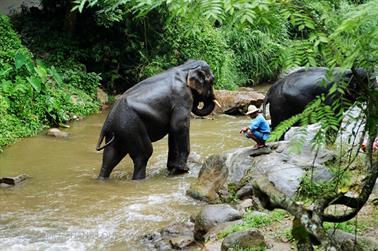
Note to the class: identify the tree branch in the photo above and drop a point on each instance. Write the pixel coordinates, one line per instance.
(271, 198)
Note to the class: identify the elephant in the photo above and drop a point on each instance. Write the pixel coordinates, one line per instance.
(290, 95)
(153, 108)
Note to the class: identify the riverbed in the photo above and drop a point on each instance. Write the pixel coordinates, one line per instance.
(63, 207)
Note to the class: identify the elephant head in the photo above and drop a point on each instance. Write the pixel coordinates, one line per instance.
(359, 83)
(200, 80)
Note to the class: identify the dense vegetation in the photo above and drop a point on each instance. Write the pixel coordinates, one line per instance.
(33, 95)
(71, 43)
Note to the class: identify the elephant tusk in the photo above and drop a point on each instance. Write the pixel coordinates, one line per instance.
(217, 103)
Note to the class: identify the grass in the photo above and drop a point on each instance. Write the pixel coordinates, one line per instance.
(254, 220)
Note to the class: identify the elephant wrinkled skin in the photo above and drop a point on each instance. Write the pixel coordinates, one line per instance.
(153, 108)
(290, 95)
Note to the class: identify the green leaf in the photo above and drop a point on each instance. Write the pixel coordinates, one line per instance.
(41, 71)
(35, 83)
(20, 60)
(56, 76)
(81, 6)
(5, 72)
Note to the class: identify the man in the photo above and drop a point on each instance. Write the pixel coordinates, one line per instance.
(258, 130)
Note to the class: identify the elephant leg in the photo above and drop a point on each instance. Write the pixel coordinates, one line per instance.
(179, 143)
(140, 154)
(111, 157)
(177, 158)
(140, 164)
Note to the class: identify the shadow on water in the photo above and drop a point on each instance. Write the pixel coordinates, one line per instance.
(63, 206)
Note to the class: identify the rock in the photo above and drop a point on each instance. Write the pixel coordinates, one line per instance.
(306, 154)
(215, 231)
(251, 239)
(236, 102)
(181, 242)
(245, 191)
(351, 127)
(55, 132)
(211, 178)
(347, 241)
(195, 162)
(238, 162)
(12, 181)
(244, 205)
(260, 151)
(174, 236)
(102, 96)
(212, 215)
(285, 175)
(282, 166)
(322, 174)
(213, 245)
(375, 189)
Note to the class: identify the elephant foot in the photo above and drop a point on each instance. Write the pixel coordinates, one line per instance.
(100, 178)
(178, 171)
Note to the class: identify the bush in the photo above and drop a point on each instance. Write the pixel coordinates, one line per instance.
(257, 56)
(34, 96)
(180, 43)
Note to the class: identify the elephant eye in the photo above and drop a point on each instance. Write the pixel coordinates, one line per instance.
(201, 74)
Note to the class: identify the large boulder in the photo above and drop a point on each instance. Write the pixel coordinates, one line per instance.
(236, 102)
(351, 242)
(212, 215)
(211, 178)
(352, 127)
(251, 239)
(283, 166)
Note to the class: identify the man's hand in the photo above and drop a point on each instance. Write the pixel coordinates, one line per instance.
(244, 129)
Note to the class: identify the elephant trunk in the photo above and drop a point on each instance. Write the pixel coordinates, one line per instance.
(206, 109)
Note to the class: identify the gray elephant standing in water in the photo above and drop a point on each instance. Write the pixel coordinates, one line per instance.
(153, 108)
(290, 95)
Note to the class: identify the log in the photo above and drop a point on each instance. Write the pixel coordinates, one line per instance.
(14, 180)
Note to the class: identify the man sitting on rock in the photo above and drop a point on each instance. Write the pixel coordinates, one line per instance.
(258, 130)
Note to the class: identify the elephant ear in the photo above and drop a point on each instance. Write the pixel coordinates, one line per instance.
(197, 80)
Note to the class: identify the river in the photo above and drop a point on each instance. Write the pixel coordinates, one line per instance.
(63, 207)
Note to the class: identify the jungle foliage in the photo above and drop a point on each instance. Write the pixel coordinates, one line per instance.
(34, 95)
(245, 42)
(261, 38)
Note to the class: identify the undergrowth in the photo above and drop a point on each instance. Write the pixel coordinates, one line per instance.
(253, 219)
(33, 95)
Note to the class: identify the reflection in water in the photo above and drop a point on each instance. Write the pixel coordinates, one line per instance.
(63, 206)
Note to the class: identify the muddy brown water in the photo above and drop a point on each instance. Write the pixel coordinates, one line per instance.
(63, 207)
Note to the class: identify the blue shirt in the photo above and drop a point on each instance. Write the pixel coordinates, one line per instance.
(259, 124)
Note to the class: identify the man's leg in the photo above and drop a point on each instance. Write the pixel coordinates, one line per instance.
(258, 138)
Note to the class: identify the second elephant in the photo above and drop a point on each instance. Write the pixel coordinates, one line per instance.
(290, 95)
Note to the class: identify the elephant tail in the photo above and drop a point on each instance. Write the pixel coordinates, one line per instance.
(99, 147)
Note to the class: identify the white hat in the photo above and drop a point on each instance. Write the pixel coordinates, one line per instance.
(252, 109)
